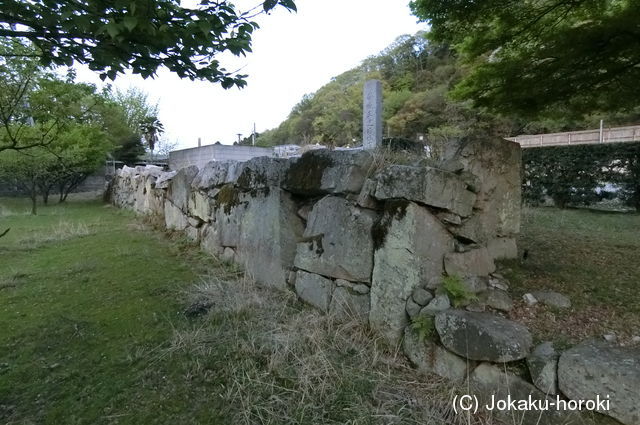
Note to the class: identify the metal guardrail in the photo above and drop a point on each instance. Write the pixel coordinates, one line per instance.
(585, 137)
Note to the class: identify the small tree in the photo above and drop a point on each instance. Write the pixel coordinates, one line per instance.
(80, 152)
(26, 170)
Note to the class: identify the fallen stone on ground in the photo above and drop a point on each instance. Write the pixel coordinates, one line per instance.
(497, 299)
(596, 368)
(543, 368)
(491, 383)
(483, 336)
(552, 299)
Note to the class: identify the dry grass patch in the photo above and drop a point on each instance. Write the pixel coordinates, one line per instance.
(12, 280)
(62, 231)
(385, 155)
(287, 363)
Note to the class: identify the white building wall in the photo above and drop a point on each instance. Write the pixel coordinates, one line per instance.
(204, 154)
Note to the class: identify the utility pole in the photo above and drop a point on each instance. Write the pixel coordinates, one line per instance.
(253, 136)
(601, 130)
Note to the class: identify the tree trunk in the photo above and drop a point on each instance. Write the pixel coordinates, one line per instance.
(61, 198)
(34, 200)
(73, 184)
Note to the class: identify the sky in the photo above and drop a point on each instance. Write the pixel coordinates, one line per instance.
(293, 54)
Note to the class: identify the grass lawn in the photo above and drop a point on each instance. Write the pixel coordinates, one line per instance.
(92, 306)
(591, 256)
(88, 301)
(94, 330)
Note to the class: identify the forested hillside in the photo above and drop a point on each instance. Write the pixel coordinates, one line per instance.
(417, 75)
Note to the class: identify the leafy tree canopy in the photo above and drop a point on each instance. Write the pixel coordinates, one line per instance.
(416, 75)
(38, 107)
(137, 35)
(529, 57)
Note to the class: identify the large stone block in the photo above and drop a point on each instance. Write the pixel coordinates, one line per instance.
(475, 262)
(213, 174)
(323, 171)
(426, 185)
(429, 357)
(314, 289)
(260, 173)
(210, 240)
(483, 336)
(493, 385)
(148, 200)
(228, 209)
(595, 368)
(502, 248)
(164, 179)
(180, 187)
(124, 188)
(410, 246)
(200, 205)
(262, 227)
(496, 164)
(269, 231)
(337, 241)
(174, 218)
(140, 194)
(543, 368)
(350, 301)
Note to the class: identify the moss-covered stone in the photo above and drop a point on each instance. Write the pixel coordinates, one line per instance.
(393, 210)
(305, 175)
(228, 198)
(251, 179)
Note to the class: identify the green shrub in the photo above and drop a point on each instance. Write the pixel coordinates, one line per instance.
(575, 175)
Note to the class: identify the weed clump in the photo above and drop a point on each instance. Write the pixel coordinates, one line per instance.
(424, 326)
(457, 291)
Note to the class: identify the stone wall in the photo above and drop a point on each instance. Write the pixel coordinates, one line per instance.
(410, 249)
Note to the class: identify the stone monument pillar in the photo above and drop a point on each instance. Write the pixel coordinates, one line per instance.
(372, 115)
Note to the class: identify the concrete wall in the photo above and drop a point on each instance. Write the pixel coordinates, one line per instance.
(204, 154)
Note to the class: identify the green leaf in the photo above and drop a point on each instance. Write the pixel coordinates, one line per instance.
(130, 22)
(205, 26)
(269, 4)
(289, 4)
(113, 30)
